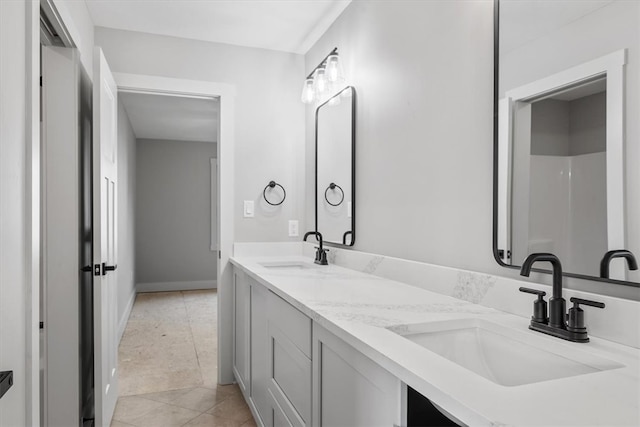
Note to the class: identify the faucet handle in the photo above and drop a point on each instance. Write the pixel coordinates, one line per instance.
(576, 314)
(321, 256)
(539, 306)
(532, 291)
(577, 301)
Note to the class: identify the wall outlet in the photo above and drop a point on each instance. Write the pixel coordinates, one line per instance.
(249, 210)
(293, 228)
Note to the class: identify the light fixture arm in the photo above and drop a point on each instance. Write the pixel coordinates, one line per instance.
(333, 52)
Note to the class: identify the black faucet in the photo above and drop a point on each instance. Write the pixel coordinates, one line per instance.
(321, 254)
(620, 253)
(556, 302)
(556, 323)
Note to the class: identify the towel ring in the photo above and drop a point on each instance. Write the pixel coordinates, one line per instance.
(273, 184)
(333, 186)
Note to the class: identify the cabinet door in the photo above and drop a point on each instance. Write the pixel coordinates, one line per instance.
(276, 416)
(259, 351)
(349, 388)
(241, 332)
(289, 348)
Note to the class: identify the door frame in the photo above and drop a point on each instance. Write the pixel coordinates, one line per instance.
(226, 169)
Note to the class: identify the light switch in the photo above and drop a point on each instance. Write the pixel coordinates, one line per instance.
(293, 228)
(248, 209)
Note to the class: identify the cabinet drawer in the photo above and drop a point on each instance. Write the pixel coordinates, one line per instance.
(278, 416)
(290, 376)
(291, 321)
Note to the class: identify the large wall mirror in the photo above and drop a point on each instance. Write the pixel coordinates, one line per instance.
(567, 135)
(335, 168)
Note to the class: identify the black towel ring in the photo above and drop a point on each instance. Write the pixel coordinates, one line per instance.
(272, 184)
(333, 186)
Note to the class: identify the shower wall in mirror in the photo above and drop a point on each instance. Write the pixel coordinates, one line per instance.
(567, 134)
(335, 168)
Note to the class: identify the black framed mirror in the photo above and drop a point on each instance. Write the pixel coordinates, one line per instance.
(566, 103)
(336, 168)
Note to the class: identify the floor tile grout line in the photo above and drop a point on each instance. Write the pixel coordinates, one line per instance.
(193, 340)
(219, 399)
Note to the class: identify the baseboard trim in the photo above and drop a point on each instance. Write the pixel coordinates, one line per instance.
(176, 286)
(122, 324)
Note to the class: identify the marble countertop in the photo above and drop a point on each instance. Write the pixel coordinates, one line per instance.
(359, 308)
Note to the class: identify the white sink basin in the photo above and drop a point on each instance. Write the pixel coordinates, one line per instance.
(502, 355)
(286, 265)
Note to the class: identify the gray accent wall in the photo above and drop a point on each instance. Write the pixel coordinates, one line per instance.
(569, 128)
(173, 215)
(126, 216)
(588, 124)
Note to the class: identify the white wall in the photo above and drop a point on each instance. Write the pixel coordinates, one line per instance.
(19, 210)
(423, 73)
(576, 43)
(173, 215)
(269, 131)
(126, 216)
(76, 17)
(13, 284)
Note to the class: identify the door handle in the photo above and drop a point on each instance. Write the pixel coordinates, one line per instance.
(106, 268)
(6, 381)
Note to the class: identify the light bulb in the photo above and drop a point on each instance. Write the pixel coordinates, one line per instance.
(308, 93)
(334, 69)
(320, 83)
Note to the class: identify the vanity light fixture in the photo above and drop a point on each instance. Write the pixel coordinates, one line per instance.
(326, 79)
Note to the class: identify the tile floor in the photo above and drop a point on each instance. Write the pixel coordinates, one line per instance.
(168, 366)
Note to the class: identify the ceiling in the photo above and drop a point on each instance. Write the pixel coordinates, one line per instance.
(170, 117)
(284, 25)
(582, 91)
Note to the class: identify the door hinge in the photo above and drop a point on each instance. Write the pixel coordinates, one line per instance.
(96, 270)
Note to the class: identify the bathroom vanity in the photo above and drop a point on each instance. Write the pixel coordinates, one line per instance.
(333, 346)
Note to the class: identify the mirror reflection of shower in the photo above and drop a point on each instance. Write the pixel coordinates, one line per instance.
(567, 206)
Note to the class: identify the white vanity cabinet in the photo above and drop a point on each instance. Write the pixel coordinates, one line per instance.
(295, 373)
(241, 329)
(349, 389)
(289, 354)
(271, 354)
(259, 350)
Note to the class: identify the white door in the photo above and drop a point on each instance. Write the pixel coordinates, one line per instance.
(105, 168)
(61, 285)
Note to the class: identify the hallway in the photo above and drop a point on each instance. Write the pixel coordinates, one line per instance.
(168, 365)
